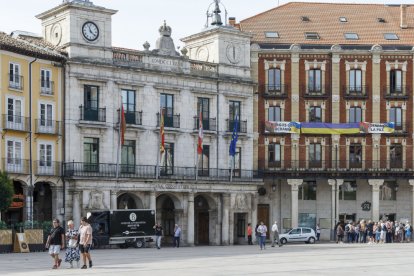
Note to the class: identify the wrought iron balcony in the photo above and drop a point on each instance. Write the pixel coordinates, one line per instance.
(19, 123)
(241, 127)
(172, 121)
(132, 117)
(92, 114)
(355, 92)
(47, 87)
(396, 92)
(47, 168)
(15, 82)
(208, 123)
(315, 92)
(273, 91)
(16, 165)
(48, 127)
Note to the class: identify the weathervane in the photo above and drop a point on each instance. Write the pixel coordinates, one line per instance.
(214, 14)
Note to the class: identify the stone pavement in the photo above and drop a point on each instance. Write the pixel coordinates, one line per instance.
(298, 259)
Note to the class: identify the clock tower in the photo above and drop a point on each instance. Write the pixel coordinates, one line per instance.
(79, 27)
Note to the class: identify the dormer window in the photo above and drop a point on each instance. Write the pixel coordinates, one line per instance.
(351, 36)
(381, 20)
(305, 19)
(272, 35)
(343, 19)
(391, 36)
(311, 35)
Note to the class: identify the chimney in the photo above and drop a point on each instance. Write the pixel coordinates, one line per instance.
(232, 21)
(403, 23)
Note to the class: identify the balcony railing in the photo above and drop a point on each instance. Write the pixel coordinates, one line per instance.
(132, 117)
(270, 91)
(47, 168)
(355, 92)
(315, 92)
(92, 114)
(396, 92)
(19, 123)
(48, 127)
(78, 169)
(172, 121)
(47, 87)
(15, 82)
(241, 127)
(208, 123)
(16, 165)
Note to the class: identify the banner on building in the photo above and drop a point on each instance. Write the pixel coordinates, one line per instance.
(282, 127)
(377, 127)
(328, 128)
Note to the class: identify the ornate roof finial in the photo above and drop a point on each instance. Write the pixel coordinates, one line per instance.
(165, 30)
(217, 17)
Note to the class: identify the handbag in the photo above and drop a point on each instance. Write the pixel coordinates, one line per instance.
(72, 243)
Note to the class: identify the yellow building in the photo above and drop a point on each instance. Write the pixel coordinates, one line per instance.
(31, 108)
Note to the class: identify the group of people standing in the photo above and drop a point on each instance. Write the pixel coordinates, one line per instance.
(261, 232)
(76, 242)
(373, 232)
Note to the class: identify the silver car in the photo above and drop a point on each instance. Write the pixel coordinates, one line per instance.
(299, 234)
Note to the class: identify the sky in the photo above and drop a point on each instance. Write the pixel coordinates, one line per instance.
(138, 21)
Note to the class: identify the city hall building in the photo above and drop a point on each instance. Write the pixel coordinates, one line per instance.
(212, 196)
(334, 112)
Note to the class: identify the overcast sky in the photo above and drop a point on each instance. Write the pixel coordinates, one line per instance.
(138, 21)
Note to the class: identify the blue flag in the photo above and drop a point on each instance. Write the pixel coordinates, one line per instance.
(234, 137)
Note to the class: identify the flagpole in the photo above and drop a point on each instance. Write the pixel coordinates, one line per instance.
(119, 142)
(198, 137)
(157, 173)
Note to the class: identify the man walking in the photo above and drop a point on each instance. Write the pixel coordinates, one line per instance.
(262, 229)
(158, 235)
(177, 235)
(56, 242)
(275, 235)
(85, 242)
(249, 234)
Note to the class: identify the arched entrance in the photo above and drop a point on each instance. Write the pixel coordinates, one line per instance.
(15, 212)
(201, 220)
(129, 201)
(167, 215)
(42, 202)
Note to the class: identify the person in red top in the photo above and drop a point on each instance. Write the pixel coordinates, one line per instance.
(249, 234)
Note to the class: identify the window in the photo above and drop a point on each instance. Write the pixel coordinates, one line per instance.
(128, 157)
(167, 107)
(14, 114)
(307, 220)
(241, 225)
(391, 36)
(46, 118)
(315, 155)
(355, 81)
(203, 105)
(272, 35)
(315, 114)
(14, 156)
(204, 161)
(307, 191)
(347, 191)
(45, 158)
(355, 155)
(396, 117)
(388, 190)
(314, 80)
(313, 36)
(274, 79)
(15, 79)
(351, 36)
(128, 103)
(396, 82)
(91, 103)
(343, 19)
(234, 110)
(274, 155)
(355, 114)
(91, 154)
(45, 81)
(274, 114)
(396, 155)
(167, 159)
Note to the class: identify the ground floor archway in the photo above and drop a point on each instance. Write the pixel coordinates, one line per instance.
(42, 202)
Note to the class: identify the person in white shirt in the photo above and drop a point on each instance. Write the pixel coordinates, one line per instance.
(275, 235)
(262, 229)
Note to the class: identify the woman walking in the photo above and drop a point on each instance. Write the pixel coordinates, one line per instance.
(72, 249)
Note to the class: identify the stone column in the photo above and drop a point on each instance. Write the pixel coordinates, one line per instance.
(76, 208)
(335, 183)
(376, 184)
(153, 201)
(190, 220)
(114, 200)
(294, 204)
(255, 202)
(27, 211)
(57, 195)
(411, 181)
(225, 223)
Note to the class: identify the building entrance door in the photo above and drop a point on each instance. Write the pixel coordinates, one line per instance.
(202, 229)
(263, 215)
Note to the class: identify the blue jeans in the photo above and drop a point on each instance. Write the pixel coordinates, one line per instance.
(262, 242)
(158, 241)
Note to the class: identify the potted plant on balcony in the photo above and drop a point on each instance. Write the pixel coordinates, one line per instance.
(6, 195)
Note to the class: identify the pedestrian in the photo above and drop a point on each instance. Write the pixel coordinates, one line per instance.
(262, 229)
(56, 242)
(158, 235)
(318, 232)
(85, 242)
(339, 233)
(408, 232)
(177, 235)
(256, 232)
(249, 234)
(72, 249)
(275, 235)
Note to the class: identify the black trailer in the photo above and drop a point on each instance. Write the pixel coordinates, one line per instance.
(132, 227)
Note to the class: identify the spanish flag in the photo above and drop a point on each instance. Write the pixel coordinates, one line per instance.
(200, 134)
(162, 135)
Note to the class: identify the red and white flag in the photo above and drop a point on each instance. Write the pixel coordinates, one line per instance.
(200, 134)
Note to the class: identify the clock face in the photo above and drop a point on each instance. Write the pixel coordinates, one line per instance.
(233, 53)
(90, 31)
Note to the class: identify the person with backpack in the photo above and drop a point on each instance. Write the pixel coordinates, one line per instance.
(408, 232)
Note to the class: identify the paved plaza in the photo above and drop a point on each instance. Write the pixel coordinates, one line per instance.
(299, 259)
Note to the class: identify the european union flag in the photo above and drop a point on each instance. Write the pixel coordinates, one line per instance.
(234, 137)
